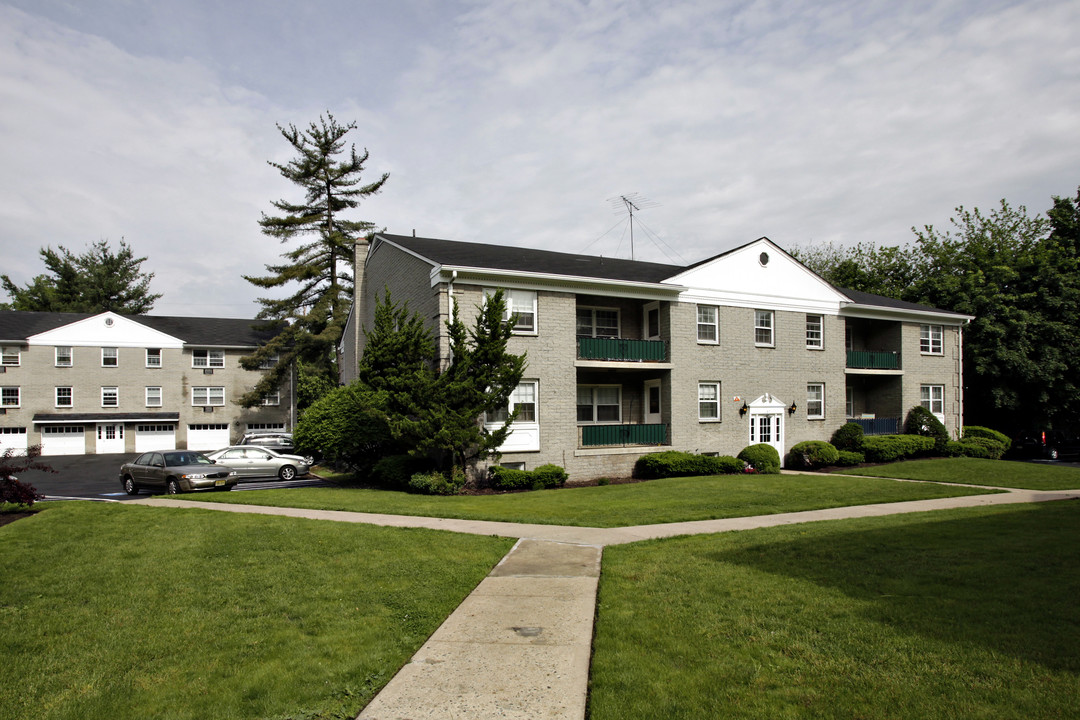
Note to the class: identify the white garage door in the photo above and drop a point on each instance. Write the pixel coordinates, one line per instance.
(14, 439)
(207, 436)
(154, 437)
(63, 440)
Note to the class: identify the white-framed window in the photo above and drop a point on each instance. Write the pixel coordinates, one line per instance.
(522, 399)
(207, 358)
(932, 397)
(110, 357)
(931, 340)
(708, 401)
(815, 336)
(212, 396)
(708, 324)
(63, 356)
(815, 400)
(597, 322)
(272, 399)
(64, 397)
(153, 397)
(110, 397)
(599, 403)
(521, 308)
(268, 362)
(153, 357)
(763, 328)
(10, 356)
(652, 321)
(849, 402)
(10, 397)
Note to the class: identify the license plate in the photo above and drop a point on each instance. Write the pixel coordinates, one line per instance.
(218, 483)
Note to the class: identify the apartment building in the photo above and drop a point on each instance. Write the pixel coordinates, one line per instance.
(79, 383)
(628, 357)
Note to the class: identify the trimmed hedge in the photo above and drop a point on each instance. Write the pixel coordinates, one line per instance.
(977, 447)
(978, 431)
(763, 458)
(673, 463)
(921, 421)
(436, 483)
(847, 458)
(812, 454)
(848, 436)
(890, 448)
(543, 477)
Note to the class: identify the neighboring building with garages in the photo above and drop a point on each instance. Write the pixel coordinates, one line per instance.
(629, 357)
(81, 383)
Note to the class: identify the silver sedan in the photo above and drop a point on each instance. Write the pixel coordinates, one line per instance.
(250, 461)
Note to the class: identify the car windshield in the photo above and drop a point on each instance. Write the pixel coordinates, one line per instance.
(186, 458)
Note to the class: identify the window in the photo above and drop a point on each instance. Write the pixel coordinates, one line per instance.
(522, 399)
(208, 358)
(9, 397)
(763, 328)
(597, 322)
(933, 399)
(110, 357)
(110, 397)
(521, 308)
(652, 322)
(599, 404)
(272, 399)
(268, 362)
(815, 400)
(849, 402)
(930, 340)
(815, 339)
(63, 357)
(208, 396)
(708, 401)
(153, 397)
(63, 397)
(708, 324)
(9, 356)
(153, 357)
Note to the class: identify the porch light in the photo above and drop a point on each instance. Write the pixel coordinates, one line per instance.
(791, 410)
(743, 410)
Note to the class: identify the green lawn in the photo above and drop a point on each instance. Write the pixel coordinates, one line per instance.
(656, 501)
(969, 613)
(1001, 473)
(111, 611)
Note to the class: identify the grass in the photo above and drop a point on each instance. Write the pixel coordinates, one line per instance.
(1000, 473)
(656, 501)
(112, 611)
(957, 614)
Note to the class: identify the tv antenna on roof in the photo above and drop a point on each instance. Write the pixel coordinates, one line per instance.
(629, 203)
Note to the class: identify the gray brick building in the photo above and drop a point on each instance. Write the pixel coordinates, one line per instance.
(79, 383)
(626, 357)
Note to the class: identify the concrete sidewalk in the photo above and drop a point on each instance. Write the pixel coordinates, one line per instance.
(519, 646)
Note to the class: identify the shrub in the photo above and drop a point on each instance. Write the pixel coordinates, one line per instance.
(19, 493)
(674, 463)
(847, 458)
(543, 477)
(395, 471)
(436, 483)
(979, 447)
(848, 436)
(921, 421)
(548, 476)
(763, 458)
(11, 489)
(346, 428)
(812, 454)
(977, 431)
(890, 448)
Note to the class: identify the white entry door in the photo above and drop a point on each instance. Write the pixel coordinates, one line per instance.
(110, 438)
(652, 402)
(767, 423)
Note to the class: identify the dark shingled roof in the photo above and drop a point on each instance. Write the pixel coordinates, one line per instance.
(864, 298)
(17, 325)
(503, 257)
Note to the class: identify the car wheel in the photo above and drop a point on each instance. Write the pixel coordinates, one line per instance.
(1052, 453)
(130, 487)
(172, 487)
(287, 473)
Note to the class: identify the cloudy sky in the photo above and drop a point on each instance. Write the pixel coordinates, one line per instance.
(514, 122)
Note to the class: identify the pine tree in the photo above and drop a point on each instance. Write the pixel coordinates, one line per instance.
(315, 311)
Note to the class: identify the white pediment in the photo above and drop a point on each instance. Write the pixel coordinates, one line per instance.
(106, 330)
(759, 275)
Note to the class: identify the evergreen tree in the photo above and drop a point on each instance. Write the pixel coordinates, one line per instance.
(329, 176)
(98, 280)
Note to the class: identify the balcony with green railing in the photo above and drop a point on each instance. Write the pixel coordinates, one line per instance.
(621, 349)
(623, 435)
(873, 360)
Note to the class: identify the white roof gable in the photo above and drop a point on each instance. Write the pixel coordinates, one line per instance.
(759, 275)
(105, 330)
